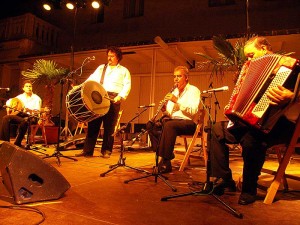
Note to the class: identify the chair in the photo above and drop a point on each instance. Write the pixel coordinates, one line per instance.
(199, 133)
(45, 120)
(283, 162)
(81, 126)
(34, 128)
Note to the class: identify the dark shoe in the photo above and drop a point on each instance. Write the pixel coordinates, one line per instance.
(83, 154)
(19, 145)
(221, 186)
(246, 199)
(105, 154)
(165, 166)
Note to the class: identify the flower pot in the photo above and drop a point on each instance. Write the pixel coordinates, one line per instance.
(51, 134)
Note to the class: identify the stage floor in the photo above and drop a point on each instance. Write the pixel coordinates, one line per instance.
(93, 199)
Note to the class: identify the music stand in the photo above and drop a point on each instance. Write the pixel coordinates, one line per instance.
(121, 161)
(57, 152)
(208, 188)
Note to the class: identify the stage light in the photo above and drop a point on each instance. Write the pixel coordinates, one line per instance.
(47, 5)
(96, 4)
(70, 5)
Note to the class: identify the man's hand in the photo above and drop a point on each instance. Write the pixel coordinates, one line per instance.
(163, 105)
(171, 97)
(118, 99)
(280, 96)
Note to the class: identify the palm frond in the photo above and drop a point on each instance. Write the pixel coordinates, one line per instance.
(44, 71)
(224, 47)
(229, 56)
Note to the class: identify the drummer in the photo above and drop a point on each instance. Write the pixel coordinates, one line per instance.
(116, 80)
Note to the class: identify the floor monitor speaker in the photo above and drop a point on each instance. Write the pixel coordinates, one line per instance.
(27, 177)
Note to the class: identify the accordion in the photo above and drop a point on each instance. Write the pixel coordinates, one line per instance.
(249, 103)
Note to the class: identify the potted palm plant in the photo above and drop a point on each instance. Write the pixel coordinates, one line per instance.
(47, 73)
(229, 56)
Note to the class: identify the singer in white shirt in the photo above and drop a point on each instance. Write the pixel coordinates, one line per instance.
(117, 83)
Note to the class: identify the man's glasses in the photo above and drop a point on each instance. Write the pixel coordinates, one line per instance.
(177, 76)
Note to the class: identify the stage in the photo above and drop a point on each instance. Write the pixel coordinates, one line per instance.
(93, 199)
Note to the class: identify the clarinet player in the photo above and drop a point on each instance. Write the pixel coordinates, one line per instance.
(179, 108)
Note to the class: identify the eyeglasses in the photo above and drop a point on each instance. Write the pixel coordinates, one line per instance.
(177, 76)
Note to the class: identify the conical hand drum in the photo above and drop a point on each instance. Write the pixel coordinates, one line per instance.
(87, 101)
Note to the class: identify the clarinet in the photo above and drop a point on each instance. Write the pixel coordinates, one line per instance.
(162, 104)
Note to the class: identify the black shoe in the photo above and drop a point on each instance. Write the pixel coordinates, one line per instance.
(105, 154)
(221, 186)
(83, 154)
(246, 199)
(165, 166)
(19, 145)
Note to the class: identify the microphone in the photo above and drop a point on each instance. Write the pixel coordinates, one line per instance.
(70, 80)
(225, 88)
(7, 89)
(92, 58)
(146, 106)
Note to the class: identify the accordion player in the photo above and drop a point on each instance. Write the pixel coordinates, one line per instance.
(249, 103)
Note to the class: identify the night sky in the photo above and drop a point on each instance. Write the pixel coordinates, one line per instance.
(18, 7)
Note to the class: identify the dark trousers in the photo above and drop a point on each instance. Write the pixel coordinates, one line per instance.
(171, 128)
(109, 122)
(5, 127)
(254, 145)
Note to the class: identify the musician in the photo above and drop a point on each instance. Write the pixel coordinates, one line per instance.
(116, 80)
(253, 142)
(18, 111)
(180, 111)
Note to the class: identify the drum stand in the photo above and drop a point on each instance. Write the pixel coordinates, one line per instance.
(57, 153)
(122, 159)
(208, 188)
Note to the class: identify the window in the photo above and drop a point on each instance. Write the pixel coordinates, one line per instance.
(133, 8)
(100, 15)
(214, 3)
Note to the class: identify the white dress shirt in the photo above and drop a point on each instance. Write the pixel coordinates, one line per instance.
(117, 79)
(187, 103)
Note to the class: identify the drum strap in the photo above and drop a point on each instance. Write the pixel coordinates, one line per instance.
(103, 74)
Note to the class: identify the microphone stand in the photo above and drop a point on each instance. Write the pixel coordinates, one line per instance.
(216, 104)
(208, 187)
(58, 148)
(121, 161)
(66, 131)
(155, 171)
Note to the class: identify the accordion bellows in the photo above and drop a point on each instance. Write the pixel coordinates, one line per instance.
(249, 103)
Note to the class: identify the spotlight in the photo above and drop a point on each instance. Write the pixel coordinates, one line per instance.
(96, 4)
(48, 5)
(70, 5)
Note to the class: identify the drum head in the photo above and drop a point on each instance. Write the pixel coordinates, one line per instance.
(95, 98)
